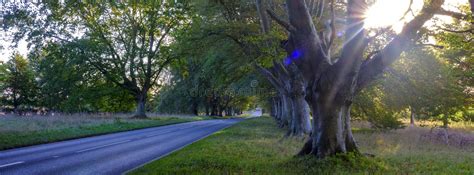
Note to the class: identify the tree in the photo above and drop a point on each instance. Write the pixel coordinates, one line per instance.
(206, 79)
(333, 82)
(126, 42)
(19, 88)
(237, 25)
(68, 83)
(421, 85)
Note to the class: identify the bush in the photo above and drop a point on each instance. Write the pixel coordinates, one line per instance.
(384, 120)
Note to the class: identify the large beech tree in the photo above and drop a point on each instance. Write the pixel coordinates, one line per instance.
(330, 83)
(127, 42)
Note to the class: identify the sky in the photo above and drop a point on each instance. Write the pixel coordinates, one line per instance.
(382, 14)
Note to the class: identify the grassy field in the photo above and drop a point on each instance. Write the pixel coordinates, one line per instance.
(256, 146)
(25, 131)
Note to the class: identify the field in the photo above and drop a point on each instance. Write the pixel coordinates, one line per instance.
(21, 131)
(256, 146)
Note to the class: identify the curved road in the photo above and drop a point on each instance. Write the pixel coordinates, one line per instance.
(107, 154)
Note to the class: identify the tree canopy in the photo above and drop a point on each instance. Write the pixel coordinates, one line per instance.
(314, 65)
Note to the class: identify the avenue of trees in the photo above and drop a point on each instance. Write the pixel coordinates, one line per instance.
(310, 63)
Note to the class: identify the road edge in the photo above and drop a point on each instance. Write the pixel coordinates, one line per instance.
(181, 147)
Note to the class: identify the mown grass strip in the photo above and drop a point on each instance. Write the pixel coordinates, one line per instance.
(255, 146)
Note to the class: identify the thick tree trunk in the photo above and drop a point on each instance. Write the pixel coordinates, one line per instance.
(332, 132)
(214, 109)
(300, 119)
(445, 120)
(228, 111)
(412, 117)
(195, 108)
(273, 108)
(141, 106)
(351, 145)
(15, 103)
(329, 139)
(220, 109)
(207, 109)
(285, 111)
(279, 115)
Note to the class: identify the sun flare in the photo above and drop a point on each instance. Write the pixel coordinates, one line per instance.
(391, 13)
(384, 13)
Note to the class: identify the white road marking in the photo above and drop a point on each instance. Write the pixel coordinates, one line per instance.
(56, 156)
(97, 147)
(10, 164)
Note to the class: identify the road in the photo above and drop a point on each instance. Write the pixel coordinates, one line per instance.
(107, 154)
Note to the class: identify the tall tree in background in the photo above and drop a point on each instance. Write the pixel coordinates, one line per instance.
(126, 42)
(421, 85)
(68, 83)
(19, 87)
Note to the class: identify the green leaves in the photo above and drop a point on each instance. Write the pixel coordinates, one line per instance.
(18, 87)
(421, 81)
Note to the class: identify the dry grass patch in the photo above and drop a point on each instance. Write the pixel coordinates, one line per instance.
(18, 131)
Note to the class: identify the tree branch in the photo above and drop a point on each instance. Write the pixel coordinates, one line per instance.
(270, 76)
(264, 22)
(333, 26)
(471, 30)
(375, 66)
(281, 22)
(431, 45)
(456, 15)
(299, 17)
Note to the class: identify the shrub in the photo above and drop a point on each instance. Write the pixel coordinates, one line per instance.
(384, 120)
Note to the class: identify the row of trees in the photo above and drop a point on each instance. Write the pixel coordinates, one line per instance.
(127, 43)
(311, 62)
(123, 52)
(54, 82)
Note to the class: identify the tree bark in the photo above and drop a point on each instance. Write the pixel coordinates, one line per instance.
(285, 111)
(332, 131)
(195, 108)
(300, 118)
(300, 123)
(207, 109)
(329, 138)
(290, 85)
(214, 108)
(446, 121)
(412, 116)
(351, 145)
(273, 107)
(141, 106)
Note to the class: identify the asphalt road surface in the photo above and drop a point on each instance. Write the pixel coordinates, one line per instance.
(107, 154)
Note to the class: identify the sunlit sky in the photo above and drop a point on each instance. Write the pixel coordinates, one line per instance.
(386, 13)
(383, 13)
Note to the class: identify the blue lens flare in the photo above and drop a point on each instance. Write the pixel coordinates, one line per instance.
(295, 55)
(287, 61)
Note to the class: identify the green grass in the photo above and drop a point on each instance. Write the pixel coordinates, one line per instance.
(255, 146)
(26, 131)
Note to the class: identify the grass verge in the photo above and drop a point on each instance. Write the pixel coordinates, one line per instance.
(20, 132)
(255, 146)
